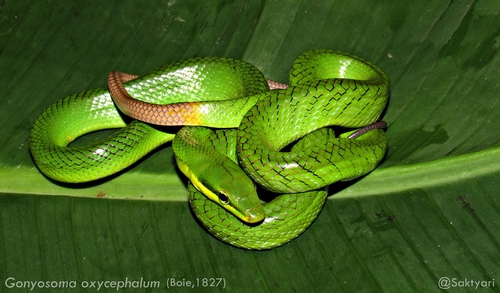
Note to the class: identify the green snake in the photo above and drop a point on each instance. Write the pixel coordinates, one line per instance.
(282, 139)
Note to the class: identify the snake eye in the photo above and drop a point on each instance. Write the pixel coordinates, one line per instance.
(223, 198)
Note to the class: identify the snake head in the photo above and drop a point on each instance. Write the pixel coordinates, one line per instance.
(230, 187)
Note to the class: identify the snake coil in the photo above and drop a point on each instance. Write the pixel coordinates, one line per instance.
(326, 89)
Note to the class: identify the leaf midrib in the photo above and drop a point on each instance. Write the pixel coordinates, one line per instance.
(169, 187)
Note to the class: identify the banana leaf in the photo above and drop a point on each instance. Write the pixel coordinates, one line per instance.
(427, 219)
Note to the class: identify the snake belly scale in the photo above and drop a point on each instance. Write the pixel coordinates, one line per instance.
(326, 89)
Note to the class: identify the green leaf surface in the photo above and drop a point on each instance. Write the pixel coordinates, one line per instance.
(430, 210)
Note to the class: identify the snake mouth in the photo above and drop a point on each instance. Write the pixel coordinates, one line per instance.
(255, 215)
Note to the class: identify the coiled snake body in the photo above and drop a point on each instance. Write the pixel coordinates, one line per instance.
(326, 88)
